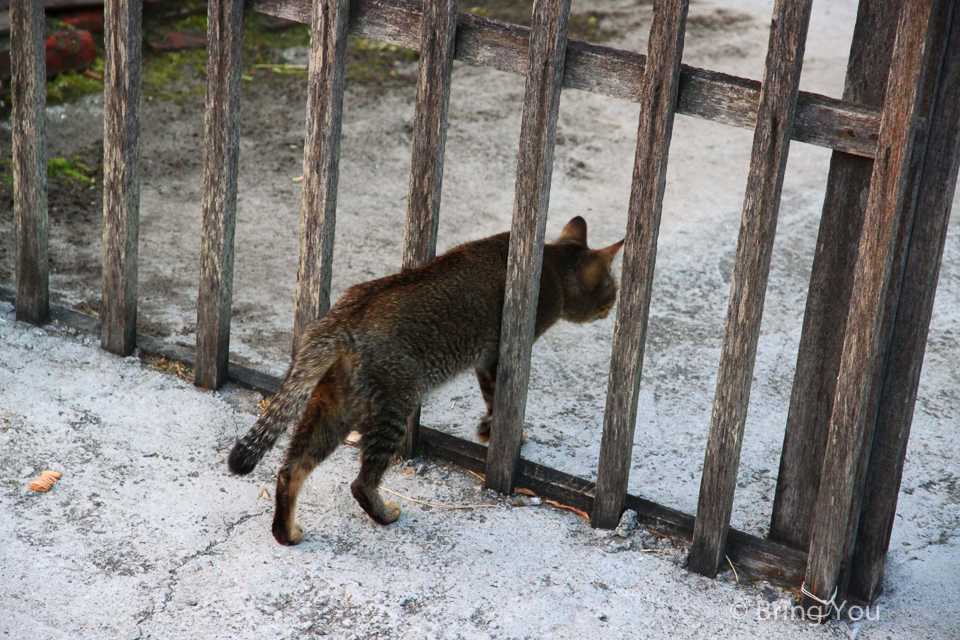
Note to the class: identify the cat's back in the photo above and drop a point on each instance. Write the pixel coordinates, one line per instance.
(426, 324)
(464, 279)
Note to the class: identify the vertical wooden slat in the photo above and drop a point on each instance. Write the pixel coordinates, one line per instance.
(437, 42)
(220, 165)
(771, 142)
(541, 105)
(849, 428)
(321, 161)
(934, 47)
(658, 97)
(831, 281)
(29, 89)
(935, 191)
(121, 174)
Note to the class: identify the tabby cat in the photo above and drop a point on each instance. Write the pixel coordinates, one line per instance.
(368, 363)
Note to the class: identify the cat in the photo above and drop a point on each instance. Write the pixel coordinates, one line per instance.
(368, 363)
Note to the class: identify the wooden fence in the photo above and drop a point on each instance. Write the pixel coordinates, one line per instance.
(895, 137)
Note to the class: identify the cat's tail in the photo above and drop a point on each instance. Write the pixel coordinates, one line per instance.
(285, 409)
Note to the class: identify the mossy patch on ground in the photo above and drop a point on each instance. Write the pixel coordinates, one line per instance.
(71, 85)
(72, 170)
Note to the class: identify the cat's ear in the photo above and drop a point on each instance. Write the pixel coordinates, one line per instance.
(609, 253)
(575, 231)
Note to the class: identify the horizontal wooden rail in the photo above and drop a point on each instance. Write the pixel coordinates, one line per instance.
(616, 73)
(754, 558)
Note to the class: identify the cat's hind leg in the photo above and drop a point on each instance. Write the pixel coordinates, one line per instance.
(379, 444)
(318, 433)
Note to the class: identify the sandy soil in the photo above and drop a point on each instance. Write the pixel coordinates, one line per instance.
(147, 519)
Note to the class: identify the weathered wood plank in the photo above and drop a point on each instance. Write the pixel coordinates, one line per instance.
(831, 281)
(123, 42)
(321, 161)
(607, 71)
(538, 131)
(760, 559)
(657, 101)
(28, 88)
(219, 207)
(437, 39)
(935, 190)
(61, 4)
(768, 163)
(934, 47)
(849, 424)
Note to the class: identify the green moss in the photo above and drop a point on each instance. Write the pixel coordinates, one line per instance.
(198, 21)
(260, 45)
(75, 84)
(6, 173)
(70, 169)
(372, 62)
(174, 75)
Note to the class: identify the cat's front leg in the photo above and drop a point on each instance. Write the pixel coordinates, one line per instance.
(487, 377)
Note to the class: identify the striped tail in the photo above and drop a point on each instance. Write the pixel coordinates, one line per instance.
(286, 408)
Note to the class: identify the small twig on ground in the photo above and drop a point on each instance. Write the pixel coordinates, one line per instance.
(172, 367)
(438, 506)
(262, 405)
(482, 478)
(280, 68)
(568, 508)
(735, 575)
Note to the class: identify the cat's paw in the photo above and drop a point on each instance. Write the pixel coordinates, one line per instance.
(390, 513)
(288, 536)
(483, 429)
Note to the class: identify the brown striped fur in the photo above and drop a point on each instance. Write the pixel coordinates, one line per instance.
(368, 363)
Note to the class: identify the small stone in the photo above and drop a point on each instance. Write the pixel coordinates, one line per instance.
(628, 523)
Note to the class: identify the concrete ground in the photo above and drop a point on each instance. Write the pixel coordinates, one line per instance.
(147, 535)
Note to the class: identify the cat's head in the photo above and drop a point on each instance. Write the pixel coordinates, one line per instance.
(588, 283)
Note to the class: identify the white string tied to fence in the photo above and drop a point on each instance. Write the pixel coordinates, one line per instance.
(829, 604)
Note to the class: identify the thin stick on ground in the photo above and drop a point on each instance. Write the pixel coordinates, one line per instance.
(735, 575)
(439, 506)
